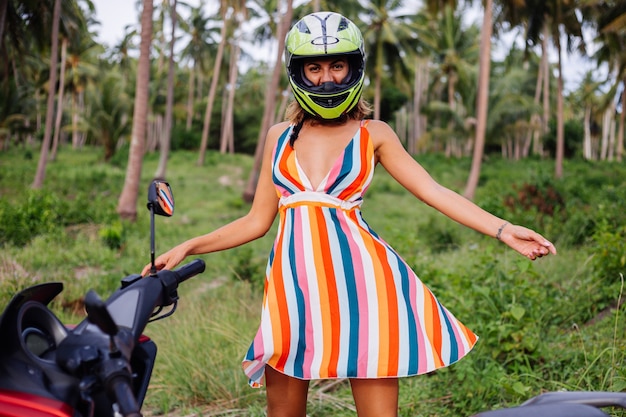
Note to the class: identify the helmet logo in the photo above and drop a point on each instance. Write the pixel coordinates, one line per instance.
(324, 40)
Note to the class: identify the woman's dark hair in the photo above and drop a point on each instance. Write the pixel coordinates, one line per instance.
(297, 116)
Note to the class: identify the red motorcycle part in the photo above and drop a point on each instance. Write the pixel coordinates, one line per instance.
(19, 404)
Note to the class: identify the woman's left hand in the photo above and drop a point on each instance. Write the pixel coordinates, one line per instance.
(527, 242)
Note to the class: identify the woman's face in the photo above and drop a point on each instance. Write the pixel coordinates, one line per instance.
(321, 70)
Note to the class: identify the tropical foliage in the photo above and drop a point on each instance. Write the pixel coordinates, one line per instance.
(187, 83)
(423, 61)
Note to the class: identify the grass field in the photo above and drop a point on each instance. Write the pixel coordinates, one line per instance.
(547, 325)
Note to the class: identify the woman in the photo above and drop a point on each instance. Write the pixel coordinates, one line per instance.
(338, 301)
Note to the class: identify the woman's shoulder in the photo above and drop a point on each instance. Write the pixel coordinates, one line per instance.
(275, 131)
(380, 131)
(375, 125)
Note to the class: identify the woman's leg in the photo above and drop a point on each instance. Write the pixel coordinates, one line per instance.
(375, 397)
(286, 396)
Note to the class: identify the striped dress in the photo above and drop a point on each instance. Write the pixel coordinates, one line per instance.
(339, 302)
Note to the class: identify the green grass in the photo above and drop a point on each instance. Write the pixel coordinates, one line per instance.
(543, 326)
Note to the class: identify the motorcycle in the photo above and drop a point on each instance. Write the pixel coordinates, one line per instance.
(102, 366)
(564, 404)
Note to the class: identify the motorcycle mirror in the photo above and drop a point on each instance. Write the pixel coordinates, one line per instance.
(161, 202)
(161, 198)
(98, 314)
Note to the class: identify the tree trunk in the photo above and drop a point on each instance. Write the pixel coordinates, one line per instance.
(560, 125)
(482, 102)
(227, 141)
(535, 130)
(587, 134)
(606, 123)
(611, 154)
(280, 114)
(59, 116)
(78, 107)
(54, 52)
(212, 91)
(3, 18)
(378, 75)
(546, 90)
(620, 133)
(270, 100)
(420, 84)
(169, 106)
(127, 204)
(74, 121)
(190, 106)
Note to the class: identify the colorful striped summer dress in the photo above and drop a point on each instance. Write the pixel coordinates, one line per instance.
(339, 302)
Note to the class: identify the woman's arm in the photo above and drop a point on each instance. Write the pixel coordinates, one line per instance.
(411, 175)
(253, 225)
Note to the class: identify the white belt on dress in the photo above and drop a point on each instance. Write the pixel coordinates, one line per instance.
(320, 198)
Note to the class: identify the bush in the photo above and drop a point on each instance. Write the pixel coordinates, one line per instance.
(113, 235)
(248, 268)
(184, 139)
(40, 213)
(609, 259)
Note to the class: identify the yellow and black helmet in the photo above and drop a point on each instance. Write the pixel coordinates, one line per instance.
(324, 34)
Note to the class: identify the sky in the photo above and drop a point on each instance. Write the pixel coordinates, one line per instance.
(114, 15)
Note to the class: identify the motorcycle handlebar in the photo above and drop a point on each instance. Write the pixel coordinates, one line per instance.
(125, 398)
(189, 270)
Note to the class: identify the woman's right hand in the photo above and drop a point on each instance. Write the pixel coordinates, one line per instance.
(168, 260)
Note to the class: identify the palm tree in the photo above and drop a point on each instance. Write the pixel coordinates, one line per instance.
(127, 203)
(511, 101)
(82, 70)
(390, 39)
(554, 19)
(223, 11)
(120, 54)
(4, 6)
(198, 52)
(587, 100)
(59, 113)
(227, 140)
(43, 156)
(73, 28)
(513, 13)
(169, 107)
(609, 19)
(240, 12)
(270, 100)
(109, 105)
(24, 34)
(481, 101)
(350, 9)
(454, 50)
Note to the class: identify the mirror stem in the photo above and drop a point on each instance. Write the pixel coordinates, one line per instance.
(153, 270)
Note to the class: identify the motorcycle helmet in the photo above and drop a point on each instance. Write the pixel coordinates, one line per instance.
(324, 34)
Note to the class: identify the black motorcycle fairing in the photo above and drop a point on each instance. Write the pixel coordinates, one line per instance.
(547, 410)
(40, 293)
(48, 381)
(595, 398)
(30, 333)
